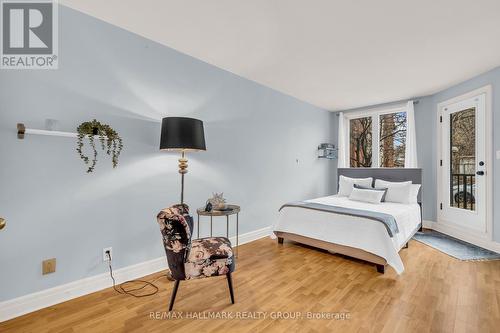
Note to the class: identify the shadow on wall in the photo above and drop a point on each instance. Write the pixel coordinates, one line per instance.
(143, 169)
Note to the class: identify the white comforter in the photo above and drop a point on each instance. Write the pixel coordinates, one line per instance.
(356, 232)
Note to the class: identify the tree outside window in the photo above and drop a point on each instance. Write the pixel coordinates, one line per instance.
(389, 141)
(360, 142)
(392, 140)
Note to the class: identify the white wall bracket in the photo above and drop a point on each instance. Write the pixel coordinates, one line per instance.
(22, 130)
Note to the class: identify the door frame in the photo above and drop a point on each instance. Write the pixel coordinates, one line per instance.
(487, 90)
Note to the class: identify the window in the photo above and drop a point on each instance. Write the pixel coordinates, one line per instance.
(360, 137)
(377, 139)
(392, 140)
(463, 158)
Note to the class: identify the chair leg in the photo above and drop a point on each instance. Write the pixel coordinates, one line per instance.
(174, 293)
(230, 284)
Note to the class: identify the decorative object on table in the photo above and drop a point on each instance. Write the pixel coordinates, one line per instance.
(217, 201)
(193, 258)
(227, 211)
(455, 247)
(2, 223)
(182, 134)
(109, 139)
(208, 207)
(327, 150)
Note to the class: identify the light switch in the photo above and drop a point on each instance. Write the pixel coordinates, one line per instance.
(498, 154)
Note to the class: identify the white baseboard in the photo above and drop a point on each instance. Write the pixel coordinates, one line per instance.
(428, 224)
(18, 306)
(457, 233)
(251, 236)
(25, 304)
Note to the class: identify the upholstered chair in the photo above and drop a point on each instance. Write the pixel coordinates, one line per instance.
(193, 258)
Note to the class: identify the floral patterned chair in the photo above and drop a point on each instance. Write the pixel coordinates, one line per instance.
(193, 258)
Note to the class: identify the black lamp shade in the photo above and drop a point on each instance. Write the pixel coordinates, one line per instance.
(180, 133)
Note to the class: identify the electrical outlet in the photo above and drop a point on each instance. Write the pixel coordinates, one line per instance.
(105, 257)
(49, 266)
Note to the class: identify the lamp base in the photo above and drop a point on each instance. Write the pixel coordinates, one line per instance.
(183, 165)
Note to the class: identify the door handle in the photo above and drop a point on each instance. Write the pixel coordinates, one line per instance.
(2, 223)
(480, 173)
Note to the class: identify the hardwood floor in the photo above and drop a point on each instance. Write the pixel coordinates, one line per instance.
(436, 293)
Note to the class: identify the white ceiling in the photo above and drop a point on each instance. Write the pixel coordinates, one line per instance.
(331, 53)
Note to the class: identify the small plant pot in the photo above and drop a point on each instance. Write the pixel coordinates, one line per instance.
(109, 140)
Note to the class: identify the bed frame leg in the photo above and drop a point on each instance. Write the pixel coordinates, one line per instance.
(406, 245)
(381, 268)
(280, 240)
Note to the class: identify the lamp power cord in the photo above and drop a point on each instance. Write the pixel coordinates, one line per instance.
(121, 288)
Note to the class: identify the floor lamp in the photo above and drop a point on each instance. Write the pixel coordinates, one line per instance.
(182, 134)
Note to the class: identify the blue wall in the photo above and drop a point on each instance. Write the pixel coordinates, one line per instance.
(426, 118)
(261, 153)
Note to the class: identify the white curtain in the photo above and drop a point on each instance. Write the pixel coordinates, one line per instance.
(411, 138)
(341, 143)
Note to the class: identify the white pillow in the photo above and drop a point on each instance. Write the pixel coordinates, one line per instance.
(346, 184)
(414, 189)
(370, 196)
(396, 191)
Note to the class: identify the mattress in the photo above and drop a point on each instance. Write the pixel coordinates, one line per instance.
(352, 231)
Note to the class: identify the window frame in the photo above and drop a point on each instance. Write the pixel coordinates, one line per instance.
(375, 115)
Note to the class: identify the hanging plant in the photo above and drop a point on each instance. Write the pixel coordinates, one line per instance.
(108, 137)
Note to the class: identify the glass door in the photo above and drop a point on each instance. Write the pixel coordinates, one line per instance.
(462, 165)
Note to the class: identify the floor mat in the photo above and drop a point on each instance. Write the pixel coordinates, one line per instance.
(454, 247)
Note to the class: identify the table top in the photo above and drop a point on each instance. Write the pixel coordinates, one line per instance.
(234, 210)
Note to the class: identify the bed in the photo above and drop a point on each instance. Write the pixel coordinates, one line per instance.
(356, 236)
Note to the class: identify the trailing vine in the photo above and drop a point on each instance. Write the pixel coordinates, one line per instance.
(109, 139)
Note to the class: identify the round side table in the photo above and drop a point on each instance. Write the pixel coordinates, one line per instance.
(232, 210)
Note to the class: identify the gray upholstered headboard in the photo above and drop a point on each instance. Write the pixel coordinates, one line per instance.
(389, 174)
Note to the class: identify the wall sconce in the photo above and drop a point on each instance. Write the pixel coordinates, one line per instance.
(328, 151)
